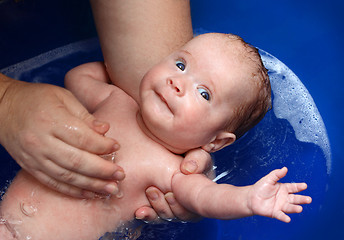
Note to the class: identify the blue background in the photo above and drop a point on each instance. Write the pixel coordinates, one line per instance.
(306, 35)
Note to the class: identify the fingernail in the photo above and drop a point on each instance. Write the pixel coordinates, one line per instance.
(190, 166)
(170, 198)
(140, 217)
(119, 175)
(152, 195)
(98, 123)
(115, 147)
(111, 188)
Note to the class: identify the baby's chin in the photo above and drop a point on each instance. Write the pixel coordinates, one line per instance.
(180, 148)
(171, 146)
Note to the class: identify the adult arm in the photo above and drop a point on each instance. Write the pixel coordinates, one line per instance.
(135, 35)
(53, 137)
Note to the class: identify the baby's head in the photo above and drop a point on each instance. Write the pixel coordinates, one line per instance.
(207, 94)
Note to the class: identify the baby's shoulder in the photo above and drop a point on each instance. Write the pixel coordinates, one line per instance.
(117, 100)
(163, 166)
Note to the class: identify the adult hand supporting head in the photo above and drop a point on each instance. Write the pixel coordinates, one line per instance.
(53, 137)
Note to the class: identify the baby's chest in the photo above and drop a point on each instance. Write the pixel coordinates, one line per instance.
(145, 162)
(142, 171)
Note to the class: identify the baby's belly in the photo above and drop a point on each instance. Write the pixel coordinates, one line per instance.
(33, 210)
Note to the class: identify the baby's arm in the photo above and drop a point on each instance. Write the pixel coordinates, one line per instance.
(89, 82)
(267, 197)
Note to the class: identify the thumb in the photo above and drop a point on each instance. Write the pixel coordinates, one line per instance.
(277, 174)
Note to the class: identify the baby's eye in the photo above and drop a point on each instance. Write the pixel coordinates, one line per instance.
(204, 93)
(180, 65)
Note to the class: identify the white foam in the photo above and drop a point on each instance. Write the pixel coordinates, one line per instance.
(293, 102)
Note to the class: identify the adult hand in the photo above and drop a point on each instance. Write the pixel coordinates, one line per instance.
(165, 206)
(53, 137)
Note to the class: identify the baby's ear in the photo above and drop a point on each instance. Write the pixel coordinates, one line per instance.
(223, 139)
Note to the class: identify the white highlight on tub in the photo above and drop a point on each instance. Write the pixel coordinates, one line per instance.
(293, 102)
(221, 175)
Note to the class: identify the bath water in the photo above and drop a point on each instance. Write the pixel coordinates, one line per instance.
(292, 134)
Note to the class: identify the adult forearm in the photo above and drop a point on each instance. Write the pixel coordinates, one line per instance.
(5, 83)
(136, 34)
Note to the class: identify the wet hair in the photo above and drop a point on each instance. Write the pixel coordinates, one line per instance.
(251, 111)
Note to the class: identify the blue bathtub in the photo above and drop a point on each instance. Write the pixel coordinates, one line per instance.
(305, 35)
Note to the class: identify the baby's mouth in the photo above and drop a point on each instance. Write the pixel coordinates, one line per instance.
(164, 101)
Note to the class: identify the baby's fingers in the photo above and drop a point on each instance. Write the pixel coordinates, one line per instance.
(299, 199)
(282, 217)
(296, 187)
(291, 208)
(288, 208)
(274, 176)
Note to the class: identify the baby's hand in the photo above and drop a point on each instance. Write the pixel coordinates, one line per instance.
(272, 199)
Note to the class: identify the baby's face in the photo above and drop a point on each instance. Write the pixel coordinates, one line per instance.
(189, 97)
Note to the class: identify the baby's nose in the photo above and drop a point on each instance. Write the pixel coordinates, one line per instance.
(175, 85)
